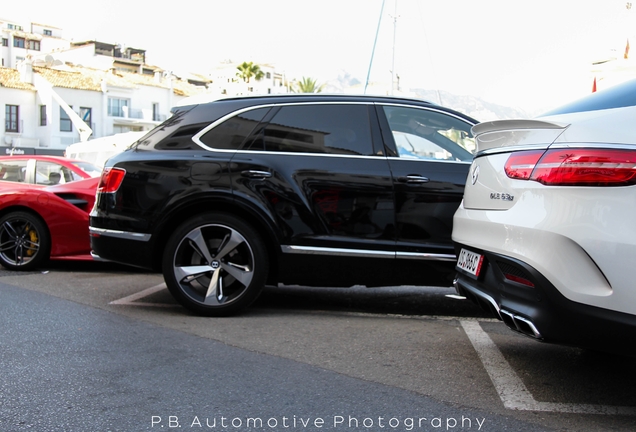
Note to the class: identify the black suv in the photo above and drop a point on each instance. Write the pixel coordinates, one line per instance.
(228, 196)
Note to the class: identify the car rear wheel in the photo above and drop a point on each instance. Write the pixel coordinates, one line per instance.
(24, 241)
(215, 264)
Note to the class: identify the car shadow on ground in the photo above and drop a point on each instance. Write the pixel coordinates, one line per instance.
(398, 300)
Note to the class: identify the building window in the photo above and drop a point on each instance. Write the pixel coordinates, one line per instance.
(18, 42)
(48, 32)
(11, 118)
(116, 107)
(42, 115)
(65, 122)
(14, 27)
(86, 114)
(5, 42)
(155, 111)
(33, 45)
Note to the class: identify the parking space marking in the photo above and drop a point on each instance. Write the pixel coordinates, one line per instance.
(512, 390)
(131, 300)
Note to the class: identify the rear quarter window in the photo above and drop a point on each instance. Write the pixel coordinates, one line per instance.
(230, 134)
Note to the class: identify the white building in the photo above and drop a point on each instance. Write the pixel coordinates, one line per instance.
(20, 42)
(226, 81)
(54, 92)
(47, 97)
(37, 99)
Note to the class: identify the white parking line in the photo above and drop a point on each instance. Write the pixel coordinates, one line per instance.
(512, 390)
(131, 300)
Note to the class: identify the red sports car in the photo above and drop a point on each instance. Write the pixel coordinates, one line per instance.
(44, 206)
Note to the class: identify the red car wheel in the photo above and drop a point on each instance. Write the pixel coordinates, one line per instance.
(24, 241)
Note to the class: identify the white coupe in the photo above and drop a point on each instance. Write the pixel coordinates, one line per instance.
(546, 233)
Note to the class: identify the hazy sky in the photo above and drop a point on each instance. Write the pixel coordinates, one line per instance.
(534, 55)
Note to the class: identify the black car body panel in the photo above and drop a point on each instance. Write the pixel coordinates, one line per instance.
(320, 178)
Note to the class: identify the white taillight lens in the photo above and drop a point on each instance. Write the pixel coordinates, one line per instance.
(111, 180)
(575, 167)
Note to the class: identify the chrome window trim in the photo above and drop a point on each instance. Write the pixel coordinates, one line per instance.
(429, 160)
(297, 154)
(197, 137)
(127, 235)
(431, 108)
(363, 253)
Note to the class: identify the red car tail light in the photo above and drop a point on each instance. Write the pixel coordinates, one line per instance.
(521, 164)
(575, 167)
(111, 180)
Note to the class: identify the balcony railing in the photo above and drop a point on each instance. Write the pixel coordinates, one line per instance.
(140, 114)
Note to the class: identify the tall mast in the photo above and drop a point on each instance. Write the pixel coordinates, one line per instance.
(395, 17)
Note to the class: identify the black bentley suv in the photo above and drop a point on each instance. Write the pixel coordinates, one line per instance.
(228, 196)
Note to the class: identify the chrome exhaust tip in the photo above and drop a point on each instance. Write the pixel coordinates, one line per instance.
(458, 295)
(520, 324)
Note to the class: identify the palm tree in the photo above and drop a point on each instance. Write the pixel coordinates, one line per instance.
(307, 85)
(248, 70)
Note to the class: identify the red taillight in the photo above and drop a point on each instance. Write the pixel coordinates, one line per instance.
(111, 180)
(574, 167)
(521, 164)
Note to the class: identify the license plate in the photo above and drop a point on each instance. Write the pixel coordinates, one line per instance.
(470, 262)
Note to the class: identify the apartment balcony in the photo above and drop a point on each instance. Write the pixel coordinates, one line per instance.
(128, 115)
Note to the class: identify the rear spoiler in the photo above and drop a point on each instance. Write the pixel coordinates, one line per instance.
(506, 133)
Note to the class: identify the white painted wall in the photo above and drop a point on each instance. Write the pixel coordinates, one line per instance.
(25, 99)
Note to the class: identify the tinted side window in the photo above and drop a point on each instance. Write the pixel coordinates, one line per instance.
(14, 171)
(334, 129)
(230, 134)
(426, 134)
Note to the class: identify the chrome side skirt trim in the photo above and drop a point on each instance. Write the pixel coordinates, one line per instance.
(362, 253)
(119, 234)
(426, 256)
(311, 250)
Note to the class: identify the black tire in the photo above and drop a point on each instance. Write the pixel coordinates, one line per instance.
(215, 264)
(25, 242)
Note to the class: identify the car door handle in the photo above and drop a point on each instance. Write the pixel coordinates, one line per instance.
(413, 179)
(253, 174)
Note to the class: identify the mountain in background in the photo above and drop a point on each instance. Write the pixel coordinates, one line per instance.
(475, 107)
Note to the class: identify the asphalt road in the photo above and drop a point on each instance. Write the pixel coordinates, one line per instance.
(97, 347)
